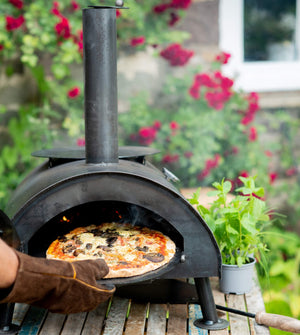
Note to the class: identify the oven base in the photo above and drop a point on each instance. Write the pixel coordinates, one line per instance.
(178, 292)
(6, 313)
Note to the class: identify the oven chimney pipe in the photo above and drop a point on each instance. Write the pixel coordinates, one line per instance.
(100, 81)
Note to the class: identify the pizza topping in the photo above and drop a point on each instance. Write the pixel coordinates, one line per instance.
(154, 257)
(77, 252)
(144, 249)
(111, 240)
(69, 248)
(89, 246)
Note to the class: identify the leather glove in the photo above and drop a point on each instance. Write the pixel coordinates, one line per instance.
(60, 286)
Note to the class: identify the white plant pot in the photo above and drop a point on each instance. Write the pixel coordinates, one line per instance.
(237, 280)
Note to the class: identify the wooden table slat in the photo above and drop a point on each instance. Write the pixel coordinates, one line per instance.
(157, 321)
(117, 316)
(95, 320)
(137, 319)
(33, 321)
(177, 323)
(195, 314)
(238, 324)
(53, 324)
(20, 311)
(74, 324)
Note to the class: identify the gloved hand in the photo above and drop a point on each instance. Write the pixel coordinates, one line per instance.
(60, 286)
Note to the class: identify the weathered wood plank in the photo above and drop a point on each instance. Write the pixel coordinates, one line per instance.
(157, 321)
(195, 313)
(74, 324)
(117, 316)
(177, 323)
(136, 322)
(238, 324)
(255, 303)
(20, 311)
(53, 324)
(33, 321)
(95, 319)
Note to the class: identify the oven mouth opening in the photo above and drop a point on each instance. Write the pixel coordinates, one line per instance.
(96, 213)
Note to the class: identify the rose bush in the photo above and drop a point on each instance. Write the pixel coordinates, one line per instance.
(205, 129)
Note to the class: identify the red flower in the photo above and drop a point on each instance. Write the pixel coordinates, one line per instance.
(223, 57)
(170, 158)
(194, 91)
(157, 125)
(205, 80)
(55, 11)
(161, 8)
(74, 92)
(81, 142)
(1, 47)
(180, 4)
(268, 153)
(147, 135)
(174, 125)
(63, 28)
(209, 165)
(137, 41)
(17, 3)
(74, 5)
(272, 177)
(118, 13)
(173, 19)
(252, 134)
(14, 23)
(188, 154)
(176, 55)
(291, 171)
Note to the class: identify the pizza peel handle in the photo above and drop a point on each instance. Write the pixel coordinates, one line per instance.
(8, 232)
(278, 321)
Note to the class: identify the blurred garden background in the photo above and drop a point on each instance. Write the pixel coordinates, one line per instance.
(175, 94)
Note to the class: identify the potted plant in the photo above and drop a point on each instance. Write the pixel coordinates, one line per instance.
(237, 225)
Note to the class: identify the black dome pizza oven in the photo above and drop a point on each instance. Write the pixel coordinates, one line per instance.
(105, 183)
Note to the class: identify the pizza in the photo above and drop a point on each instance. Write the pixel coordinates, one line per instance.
(128, 250)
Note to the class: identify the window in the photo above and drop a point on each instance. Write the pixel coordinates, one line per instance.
(263, 37)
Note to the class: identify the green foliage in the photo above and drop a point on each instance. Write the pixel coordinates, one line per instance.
(237, 224)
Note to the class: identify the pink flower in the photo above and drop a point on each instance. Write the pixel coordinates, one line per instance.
(55, 11)
(252, 134)
(81, 142)
(268, 153)
(176, 55)
(223, 57)
(147, 135)
(137, 41)
(63, 28)
(205, 80)
(17, 3)
(74, 5)
(74, 92)
(14, 23)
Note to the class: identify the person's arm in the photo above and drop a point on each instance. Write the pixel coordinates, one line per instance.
(60, 286)
(9, 264)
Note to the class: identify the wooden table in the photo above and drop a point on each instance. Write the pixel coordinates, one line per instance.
(125, 317)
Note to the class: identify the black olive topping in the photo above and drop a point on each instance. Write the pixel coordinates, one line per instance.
(144, 249)
(89, 246)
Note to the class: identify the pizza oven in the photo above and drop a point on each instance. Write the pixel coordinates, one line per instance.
(106, 183)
